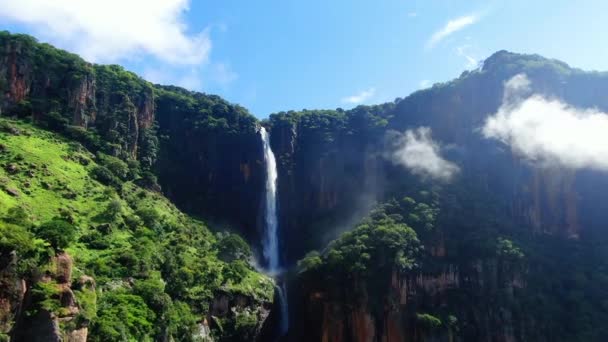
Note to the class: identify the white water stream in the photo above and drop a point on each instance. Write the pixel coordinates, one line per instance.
(270, 238)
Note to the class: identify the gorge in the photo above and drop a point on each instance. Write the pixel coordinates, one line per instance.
(123, 203)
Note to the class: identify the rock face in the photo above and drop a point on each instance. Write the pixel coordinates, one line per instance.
(357, 312)
(35, 82)
(545, 204)
(12, 292)
(240, 317)
(206, 152)
(323, 184)
(21, 314)
(211, 171)
(330, 171)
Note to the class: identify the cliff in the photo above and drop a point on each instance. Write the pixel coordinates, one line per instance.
(333, 164)
(506, 251)
(205, 151)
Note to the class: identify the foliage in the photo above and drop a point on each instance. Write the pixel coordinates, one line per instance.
(104, 175)
(46, 295)
(117, 167)
(378, 245)
(121, 314)
(311, 261)
(428, 321)
(87, 302)
(145, 255)
(58, 232)
(232, 247)
(507, 249)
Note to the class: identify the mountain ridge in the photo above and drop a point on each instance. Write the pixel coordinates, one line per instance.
(458, 256)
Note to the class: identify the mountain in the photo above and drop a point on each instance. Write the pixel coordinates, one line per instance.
(90, 249)
(487, 244)
(435, 217)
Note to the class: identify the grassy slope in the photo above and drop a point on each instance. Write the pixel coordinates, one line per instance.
(52, 179)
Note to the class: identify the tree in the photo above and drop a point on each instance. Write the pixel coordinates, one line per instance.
(232, 247)
(57, 232)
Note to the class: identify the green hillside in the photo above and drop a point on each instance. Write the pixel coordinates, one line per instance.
(156, 269)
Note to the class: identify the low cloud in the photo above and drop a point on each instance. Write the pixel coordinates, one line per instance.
(110, 30)
(549, 132)
(452, 26)
(418, 152)
(360, 97)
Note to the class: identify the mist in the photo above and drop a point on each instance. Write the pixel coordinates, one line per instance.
(416, 150)
(549, 132)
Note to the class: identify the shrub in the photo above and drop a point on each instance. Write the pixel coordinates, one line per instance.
(116, 166)
(57, 232)
(149, 181)
(113, 210)
(235, 271)
(507, 249)
(150, 216)
(46, 295)
(311, 261)
(428, 321)
(104, 176)
(122, 316)
(232, 247)
(18, 216)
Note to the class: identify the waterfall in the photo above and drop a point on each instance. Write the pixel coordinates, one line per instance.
(270, 240)
(284, 323)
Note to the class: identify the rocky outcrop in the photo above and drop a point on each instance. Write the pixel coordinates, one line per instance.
(62, 323)
(238, 317)
(14, 75)
(12, 292)
(81, 100)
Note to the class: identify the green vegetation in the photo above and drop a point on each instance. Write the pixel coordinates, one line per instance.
(156, 269)
(464, 250)
(57, 232)
(428, 321)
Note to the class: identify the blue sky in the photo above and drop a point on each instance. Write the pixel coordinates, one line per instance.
(279, 55)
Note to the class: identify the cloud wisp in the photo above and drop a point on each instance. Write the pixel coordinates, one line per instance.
(418, 152)
(360, 97)
(424, 84)
(451, 27)
(549, 132)
(463, 51)
(111, 30)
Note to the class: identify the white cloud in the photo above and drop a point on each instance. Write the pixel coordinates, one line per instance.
(463, 51)
(418, 152)
(549, 132)
(412, 14)
(424, 84)
(451, 27)
(360, 97)
(110, 30)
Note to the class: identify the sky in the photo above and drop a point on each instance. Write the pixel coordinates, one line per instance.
(271, 56)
